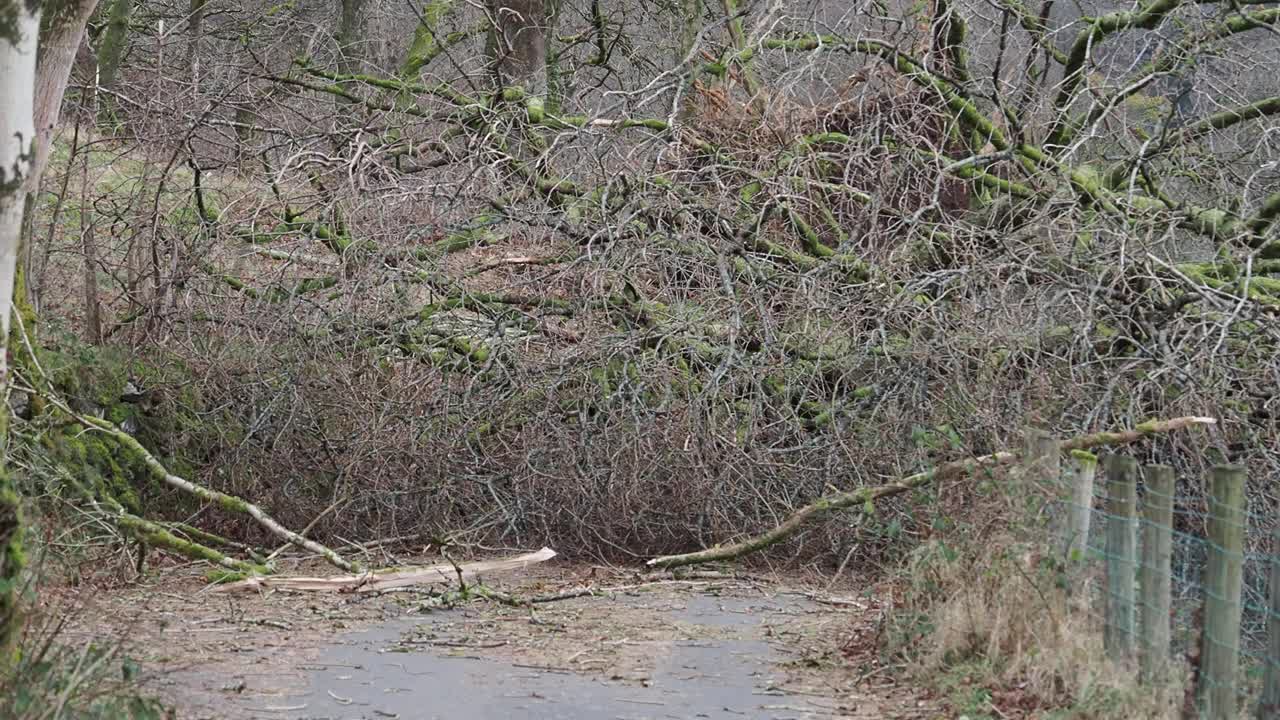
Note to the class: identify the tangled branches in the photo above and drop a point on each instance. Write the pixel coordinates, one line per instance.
(665, 303)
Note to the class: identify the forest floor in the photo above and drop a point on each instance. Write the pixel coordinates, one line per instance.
(738, 647)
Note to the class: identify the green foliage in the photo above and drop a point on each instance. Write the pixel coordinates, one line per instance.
(962, 686)
(12, 562)
(939, 438)
(55, 681)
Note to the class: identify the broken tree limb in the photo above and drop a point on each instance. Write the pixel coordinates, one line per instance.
(221, 499)
(229, 502)
(156, 534)
(866, 497)
(375, 581)
(1124, 437)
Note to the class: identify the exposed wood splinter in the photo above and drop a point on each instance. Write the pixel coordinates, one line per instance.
(374, 581)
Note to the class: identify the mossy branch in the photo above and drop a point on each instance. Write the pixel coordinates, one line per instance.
(1225, 119)
(1171, 56)
(865, 498)
(1087, 40)
(1036, 28)
(156, 535)
(223, 500)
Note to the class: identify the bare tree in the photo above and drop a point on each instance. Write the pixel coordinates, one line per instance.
(352, 43)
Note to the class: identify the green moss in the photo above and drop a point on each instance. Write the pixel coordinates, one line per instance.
(1146, 427)
(232, 504)
(99, 463)
(170, 420)
(1148, 108)
(12, 562)
(220, 576)
(1085, 458)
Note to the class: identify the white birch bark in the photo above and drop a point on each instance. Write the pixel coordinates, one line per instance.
(19, 35)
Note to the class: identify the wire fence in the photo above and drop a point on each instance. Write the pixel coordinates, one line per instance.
(1187, 583)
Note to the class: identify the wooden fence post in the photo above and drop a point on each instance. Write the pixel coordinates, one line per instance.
(1122, 556)
(1155, 574)
(1041, 458)
(1079, 475)
(1220, 638)
(1269, 704)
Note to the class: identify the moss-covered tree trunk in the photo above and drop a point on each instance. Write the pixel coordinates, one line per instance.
(115, 41)
(428, 39)
(690, 20)
(556, 79)
(38, 44)
(19, 35)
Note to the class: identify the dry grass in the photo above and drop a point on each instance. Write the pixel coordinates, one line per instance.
(990, 622)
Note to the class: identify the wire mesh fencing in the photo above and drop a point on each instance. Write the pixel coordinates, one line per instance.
(1185, 584)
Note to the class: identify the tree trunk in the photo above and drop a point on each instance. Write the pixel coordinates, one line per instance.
(19, 34)
(519, 43)
(690, 26)
(738, 37)
(60, 39)
(691, 12)
(555, 80)
(351, 36)
(88, 241)
(115, 41)
(35, 62)
(195, 31)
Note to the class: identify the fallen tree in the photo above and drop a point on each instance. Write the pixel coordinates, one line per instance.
(867, 496)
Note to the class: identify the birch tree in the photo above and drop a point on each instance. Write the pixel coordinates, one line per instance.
(19, 34)
(38, 43)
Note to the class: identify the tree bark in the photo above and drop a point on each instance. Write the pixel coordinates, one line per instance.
(35, 63)
(19, 35)
(351, 36)
(519, 43)
(195, 30)
(554, 78)
(89, 242)
(115, 41)
(60, 39)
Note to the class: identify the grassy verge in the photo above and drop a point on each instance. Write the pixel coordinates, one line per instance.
(993, 622)
(56, 678)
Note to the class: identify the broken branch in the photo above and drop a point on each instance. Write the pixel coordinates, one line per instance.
(368, 582)
(866, 497)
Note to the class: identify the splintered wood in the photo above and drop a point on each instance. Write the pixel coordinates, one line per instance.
(375, 581)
